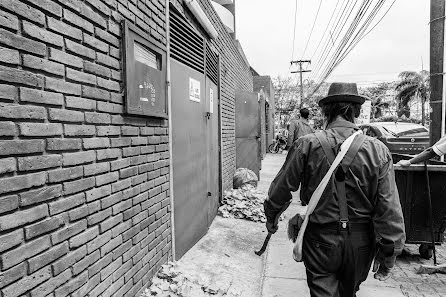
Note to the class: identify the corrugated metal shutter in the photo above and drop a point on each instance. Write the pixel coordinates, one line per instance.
(211, 64)
(186, 44)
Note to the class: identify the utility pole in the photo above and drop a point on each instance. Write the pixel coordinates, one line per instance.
(437, 20)
(300, 71)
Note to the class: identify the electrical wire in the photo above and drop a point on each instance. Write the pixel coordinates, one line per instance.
(311, 32)
(294, 34)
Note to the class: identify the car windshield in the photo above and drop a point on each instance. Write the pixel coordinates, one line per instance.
(402, 129)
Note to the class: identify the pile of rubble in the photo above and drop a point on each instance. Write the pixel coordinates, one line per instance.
(170, 281)
(244, 203)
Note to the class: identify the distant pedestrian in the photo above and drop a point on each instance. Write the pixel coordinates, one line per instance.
(438, 149)
(299, 128)
(358, 215)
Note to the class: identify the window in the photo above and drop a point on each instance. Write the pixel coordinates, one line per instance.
(145, 74)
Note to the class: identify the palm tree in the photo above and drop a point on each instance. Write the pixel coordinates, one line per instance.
(413, 85)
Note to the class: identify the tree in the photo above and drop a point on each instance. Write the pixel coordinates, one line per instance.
(412, 86)
(285, 98)
(380, 97)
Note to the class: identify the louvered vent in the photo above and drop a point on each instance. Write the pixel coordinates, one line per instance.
(211, 64)
(186, 45)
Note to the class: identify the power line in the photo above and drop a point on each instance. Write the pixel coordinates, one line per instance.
(294, 32)
(311, 32)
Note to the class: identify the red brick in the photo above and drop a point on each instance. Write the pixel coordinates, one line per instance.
(108, 130)
(78, 21)
(78, 49)
(42, 227)
(43, 64)
(13, 274)
(28, 282)
(78, 213)
(84, 237)
(68, 231)
(110, 223)
(107, 37)
(78, 185)
(84, 263)
(97, 118)
(9, 56)
(68, 260)
(99, 241)
(62, 86)
(74, 284)
(94, 17)
(40, 129)
(108, 84)
(64, 29)
(97, 193)
(14, 75)
(23, 10)
(49, 6)
(10, 240)
(110, 107)
(59, 144)
(21, 182)
(78, 158)
(50, 285)
(79, 130)
(25, 251)
(42, 34)
(98, 4)
(66, 203)
(108, 154)
(106, 178)
(8, 203)
(38, 96)
(108, 61)
(131, 151)
(7, 129)
(39, 162)
(47, 257)
(95, 43)
(91, 92)
(111, 200)
(64, 58)
(40, 195)
(63, 115)
(99, 142)
(96, 69)
(115, 52)
(8, 92)
(121, 185)
(95, 268)
(80, 103)
(22, 43)
(99, 216)
(121, 142)
(8, 20)
(81, 76)
(96, 168)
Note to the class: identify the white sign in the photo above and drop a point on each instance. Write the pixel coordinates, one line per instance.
(211, 101)
(364, 116)
(194, 90)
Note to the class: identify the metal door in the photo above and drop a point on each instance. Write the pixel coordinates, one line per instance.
(189, 157)
(213, 143)
(247, 130)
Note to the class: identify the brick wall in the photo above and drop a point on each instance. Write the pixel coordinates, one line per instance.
(235, 74)
(84, 199)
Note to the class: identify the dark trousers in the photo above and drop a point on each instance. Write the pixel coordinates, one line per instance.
(337, 262)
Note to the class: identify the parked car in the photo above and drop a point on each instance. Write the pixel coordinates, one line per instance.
(399, 137)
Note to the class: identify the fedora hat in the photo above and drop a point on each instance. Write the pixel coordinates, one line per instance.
(342, 92)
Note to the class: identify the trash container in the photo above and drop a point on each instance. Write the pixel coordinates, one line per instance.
(412, 188)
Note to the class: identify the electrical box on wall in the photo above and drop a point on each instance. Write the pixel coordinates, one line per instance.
(145, 73)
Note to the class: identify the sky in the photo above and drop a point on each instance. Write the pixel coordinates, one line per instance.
(400, 42)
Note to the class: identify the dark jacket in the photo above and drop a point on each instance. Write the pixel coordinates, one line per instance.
(370, 183)
(298, 128)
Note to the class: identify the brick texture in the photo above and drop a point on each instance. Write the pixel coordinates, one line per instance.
(71, 162)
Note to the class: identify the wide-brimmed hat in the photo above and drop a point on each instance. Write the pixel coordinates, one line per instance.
(342, 92)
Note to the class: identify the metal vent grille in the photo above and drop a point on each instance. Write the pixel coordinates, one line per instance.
(211, 64)
(186, 45)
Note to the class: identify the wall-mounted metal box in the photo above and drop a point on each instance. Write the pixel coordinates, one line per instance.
(145, 73)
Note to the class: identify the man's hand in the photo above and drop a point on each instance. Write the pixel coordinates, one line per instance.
(383, 265)
(404, 163)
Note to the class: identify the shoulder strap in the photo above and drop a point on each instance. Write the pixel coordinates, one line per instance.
(322, 137)
(340, 178)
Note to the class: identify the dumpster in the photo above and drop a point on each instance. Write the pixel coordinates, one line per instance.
(412, 188)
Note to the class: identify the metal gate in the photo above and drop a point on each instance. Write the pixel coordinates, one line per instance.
(195, 135)
(247, 131)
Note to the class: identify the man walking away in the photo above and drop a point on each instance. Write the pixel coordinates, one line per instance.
(359, 214)
(299, 128)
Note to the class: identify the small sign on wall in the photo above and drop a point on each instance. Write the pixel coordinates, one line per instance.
(194, 90)
(364, 116)
(211, 101)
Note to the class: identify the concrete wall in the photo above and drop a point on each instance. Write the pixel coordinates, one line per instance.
(84, 191)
